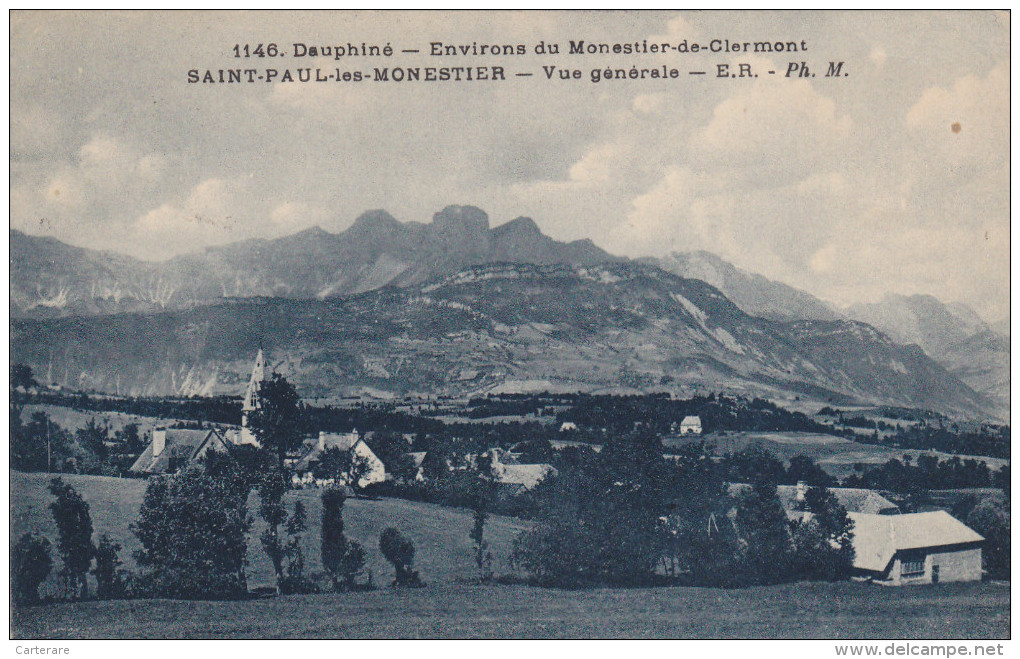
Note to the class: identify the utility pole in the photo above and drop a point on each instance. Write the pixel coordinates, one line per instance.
(49, 467)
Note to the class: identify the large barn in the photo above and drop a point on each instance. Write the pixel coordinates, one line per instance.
(916, 548)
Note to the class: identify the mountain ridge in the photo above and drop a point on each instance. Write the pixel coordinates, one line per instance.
(607, 325)
(50, 278)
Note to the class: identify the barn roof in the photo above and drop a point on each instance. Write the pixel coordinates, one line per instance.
(691, 421)
(855, 500)
(179, 442)
(877, 538)
(528, 475)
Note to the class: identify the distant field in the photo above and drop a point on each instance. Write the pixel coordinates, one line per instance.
(846, 610)
(836, 455)
(71, 419)
(440, 535)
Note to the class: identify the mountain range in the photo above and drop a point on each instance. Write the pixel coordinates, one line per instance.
(51, 279)
(457, 306)
(952, 334)
(572, 327)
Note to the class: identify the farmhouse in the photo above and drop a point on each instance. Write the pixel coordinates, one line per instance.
(350, 442)
(853, 499)
(513, 476)
(915, 548)
(173, 448)
(691, 425)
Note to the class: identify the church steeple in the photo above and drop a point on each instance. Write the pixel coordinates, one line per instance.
(251, 397)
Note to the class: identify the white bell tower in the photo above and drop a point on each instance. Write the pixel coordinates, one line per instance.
(251, 397)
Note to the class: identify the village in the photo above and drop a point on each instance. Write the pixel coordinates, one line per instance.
(890, 546)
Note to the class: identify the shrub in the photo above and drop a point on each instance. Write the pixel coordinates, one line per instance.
(192, 529)
(294, 580)
(30, 565)
(352, 562)
(74, 526)
(399, 551)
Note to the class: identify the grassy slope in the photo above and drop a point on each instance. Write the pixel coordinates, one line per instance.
(846, 610)
(444, 551)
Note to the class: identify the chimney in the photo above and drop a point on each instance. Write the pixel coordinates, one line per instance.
(322, 441)
(158, 442)
(801, 490)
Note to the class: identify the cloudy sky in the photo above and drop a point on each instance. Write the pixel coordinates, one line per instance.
(892, 179)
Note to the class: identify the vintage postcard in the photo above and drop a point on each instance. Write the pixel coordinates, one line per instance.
(511, 325)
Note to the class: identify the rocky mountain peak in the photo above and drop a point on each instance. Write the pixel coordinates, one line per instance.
(521, 226)
(461, 219)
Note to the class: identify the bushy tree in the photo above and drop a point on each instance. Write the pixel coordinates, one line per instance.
(406, 469)
(388, 446)
(755, 463)
(92, 437)
(804, 469)
(30, 565)
(74, 528)
(352, 563)
(21, 376)
(342, 559)
(192, 528)
(109, 580)
(823, 543)
(342, 466)
(700, 541)
(599, 522)
(763, 527)
(128, 436)
(991, 520)
(277, 422)
(399, 551)
(39, 444)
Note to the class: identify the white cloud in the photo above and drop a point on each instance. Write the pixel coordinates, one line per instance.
(806, 180)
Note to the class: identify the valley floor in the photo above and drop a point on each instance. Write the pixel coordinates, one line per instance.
(461, 610)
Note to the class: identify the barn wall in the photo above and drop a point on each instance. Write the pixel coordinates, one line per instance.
(955, 564)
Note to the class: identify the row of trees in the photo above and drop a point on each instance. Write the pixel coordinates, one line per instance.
(193, 528)
(31, 562)
(928, 472)
(40, 444)
(625, 516)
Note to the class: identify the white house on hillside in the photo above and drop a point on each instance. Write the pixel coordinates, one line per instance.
(691, 425)
(304, 468)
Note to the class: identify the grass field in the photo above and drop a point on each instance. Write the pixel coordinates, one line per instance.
(445, 610)
(440, 535)
(837, 455)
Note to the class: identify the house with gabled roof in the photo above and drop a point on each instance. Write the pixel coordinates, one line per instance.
(173, 448)
(691, 425)
(915, 548)
(352, 442)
